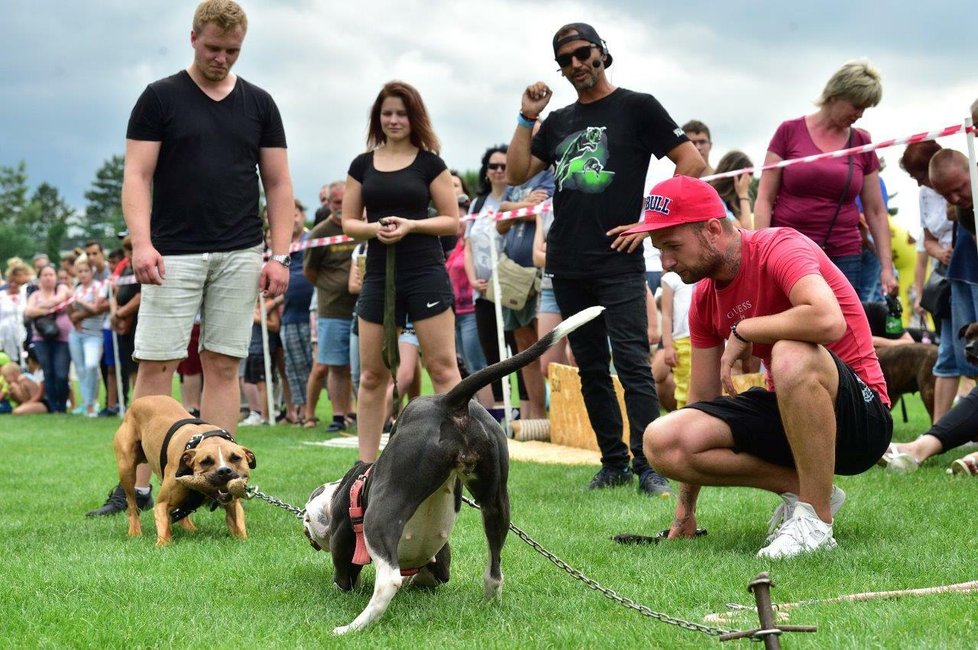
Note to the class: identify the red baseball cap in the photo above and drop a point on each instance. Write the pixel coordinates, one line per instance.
(679, 200)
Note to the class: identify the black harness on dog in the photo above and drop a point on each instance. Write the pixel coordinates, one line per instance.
(195, 499)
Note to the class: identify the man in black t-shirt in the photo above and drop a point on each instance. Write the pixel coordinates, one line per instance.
(190, 201)
(601, 146)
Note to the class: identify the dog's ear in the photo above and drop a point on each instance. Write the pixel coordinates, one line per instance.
(964, 328)
(186, 461)
(250, 455)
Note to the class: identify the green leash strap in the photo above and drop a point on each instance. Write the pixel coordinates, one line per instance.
(390, 352)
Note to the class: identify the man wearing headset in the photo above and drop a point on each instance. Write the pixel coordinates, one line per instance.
(601, 147)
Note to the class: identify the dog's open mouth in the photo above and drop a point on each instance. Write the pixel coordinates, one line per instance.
(223, 497)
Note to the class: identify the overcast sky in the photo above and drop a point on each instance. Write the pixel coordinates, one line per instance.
(71, 71)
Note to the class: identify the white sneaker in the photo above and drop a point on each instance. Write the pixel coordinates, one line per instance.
(253, 419)
(787, 506)
(802, 533)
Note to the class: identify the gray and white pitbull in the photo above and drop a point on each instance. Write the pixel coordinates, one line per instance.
(412, 494)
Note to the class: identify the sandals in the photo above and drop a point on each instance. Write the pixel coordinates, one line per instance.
(898, 461)
(311, 423)
(965, 466)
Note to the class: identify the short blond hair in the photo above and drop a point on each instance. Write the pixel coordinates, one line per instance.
(226, 14)
(16, 265)
(857, 82)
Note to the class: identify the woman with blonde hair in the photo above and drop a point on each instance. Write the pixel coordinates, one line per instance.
(395, 181)
(818, 199)
(13, 301)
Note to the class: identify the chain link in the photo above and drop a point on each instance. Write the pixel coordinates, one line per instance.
(253, 491)
(605, 591)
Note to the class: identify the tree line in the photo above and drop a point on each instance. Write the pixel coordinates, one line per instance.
(41, 221)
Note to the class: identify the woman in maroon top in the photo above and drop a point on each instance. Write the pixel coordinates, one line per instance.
(815, 198)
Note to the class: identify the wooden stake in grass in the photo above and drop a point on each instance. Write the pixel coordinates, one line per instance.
(961, 587)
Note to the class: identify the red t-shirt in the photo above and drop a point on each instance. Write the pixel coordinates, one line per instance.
(809, 193)
(772, 260)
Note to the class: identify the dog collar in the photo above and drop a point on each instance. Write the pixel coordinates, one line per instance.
(169, 434)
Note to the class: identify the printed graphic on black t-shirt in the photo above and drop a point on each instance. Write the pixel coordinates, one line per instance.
(583, 156)
(601, 153)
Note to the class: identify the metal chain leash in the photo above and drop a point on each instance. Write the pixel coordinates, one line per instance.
(253, 491)
(605, 591)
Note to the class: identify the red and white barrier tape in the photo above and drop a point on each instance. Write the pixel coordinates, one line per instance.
(872, 146)
(540, 208)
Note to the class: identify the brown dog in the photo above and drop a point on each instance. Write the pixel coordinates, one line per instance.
(192, 459)
(909, 369)
(970, 335)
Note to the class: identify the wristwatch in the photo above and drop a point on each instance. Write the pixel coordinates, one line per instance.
(284, 260)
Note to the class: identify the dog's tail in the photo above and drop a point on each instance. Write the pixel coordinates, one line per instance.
(457, 399)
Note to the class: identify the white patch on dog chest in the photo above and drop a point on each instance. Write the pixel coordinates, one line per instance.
(429, 527)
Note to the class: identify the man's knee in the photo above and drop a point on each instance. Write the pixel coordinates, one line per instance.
(219, 366)
(663, 441)
(796, 362)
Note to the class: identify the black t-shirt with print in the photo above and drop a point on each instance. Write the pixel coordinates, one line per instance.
(205, 187)
(402, 193)
(601, 153)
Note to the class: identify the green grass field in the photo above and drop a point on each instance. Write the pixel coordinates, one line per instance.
(69, 581)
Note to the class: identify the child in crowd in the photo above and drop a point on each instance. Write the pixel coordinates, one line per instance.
(254, 372)
(25, 389)
(671, 364)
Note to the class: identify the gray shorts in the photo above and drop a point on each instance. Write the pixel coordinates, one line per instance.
(223, 286)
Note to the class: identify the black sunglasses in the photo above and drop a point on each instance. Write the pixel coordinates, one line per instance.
(495, 166)
(582, 54)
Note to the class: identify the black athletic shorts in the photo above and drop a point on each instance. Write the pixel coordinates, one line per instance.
(863, 424)
(254, 371)
(420, 293)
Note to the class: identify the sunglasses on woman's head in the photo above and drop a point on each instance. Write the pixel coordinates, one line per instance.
(582, 54)
(495, 166)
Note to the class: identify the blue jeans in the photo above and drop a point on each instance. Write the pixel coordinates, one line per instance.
(86, 354)
(55, 361)
(851, 267)
(625, 323)
(964, 310)
(870, 289)
(467, 342)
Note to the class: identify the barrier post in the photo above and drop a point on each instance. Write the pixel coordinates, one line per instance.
(500, 331)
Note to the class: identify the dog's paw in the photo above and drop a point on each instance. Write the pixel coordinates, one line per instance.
(343, 629)
(494, 588)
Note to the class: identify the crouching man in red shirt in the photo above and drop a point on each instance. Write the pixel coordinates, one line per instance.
(775, 295)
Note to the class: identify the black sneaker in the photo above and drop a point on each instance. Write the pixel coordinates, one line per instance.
(653, 485)
(116, 502)
(109, 412)
(611, 477)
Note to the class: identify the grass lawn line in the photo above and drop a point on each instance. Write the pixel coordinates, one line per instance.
(77, 582)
